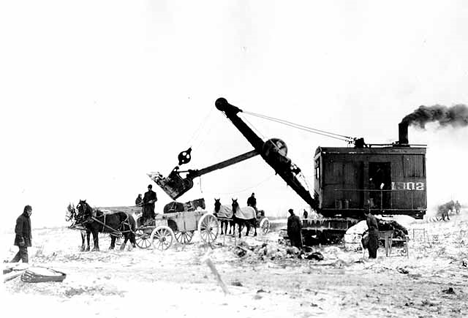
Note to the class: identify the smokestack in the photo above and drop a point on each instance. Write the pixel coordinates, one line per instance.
(403, 133)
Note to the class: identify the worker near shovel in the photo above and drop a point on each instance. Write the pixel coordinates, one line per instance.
(373, 232)
(294, 229)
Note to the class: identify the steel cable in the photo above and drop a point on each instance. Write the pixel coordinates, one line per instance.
(302, 127)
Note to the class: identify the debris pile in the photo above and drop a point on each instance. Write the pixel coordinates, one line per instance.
(273, 251)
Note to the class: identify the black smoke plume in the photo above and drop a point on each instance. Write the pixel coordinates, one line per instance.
(455, 116)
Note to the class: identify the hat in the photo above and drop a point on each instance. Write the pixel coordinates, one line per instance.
(150, 186)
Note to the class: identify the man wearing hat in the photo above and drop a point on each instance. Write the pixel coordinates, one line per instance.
(148, 205)
(294, 229)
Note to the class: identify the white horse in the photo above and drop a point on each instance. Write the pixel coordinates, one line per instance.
(224, 214)
(244, 216)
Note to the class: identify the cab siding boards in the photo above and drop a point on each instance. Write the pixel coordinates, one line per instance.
(391, 180)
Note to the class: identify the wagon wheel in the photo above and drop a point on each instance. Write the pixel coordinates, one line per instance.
(142, 239)
(184, 237)
(162, 237)
(265, 226)
(208, 227)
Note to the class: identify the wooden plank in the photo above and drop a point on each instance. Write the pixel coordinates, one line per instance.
(126, 209)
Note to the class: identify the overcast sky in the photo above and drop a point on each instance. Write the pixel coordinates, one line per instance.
(95, 94)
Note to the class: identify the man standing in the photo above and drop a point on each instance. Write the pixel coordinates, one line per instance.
(23, 235)
(252, 201)
(373, 228)
(294, 229)
(457, 207)
(148, 205)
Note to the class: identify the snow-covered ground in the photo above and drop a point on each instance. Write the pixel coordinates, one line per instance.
(262, 279)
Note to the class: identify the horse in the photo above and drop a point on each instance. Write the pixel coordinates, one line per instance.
(71, 216)
(244, 216)
(444, 209)
(116, 223)
(224, 213)
(193, 205)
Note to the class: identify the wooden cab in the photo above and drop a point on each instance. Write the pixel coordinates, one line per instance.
(388, 180)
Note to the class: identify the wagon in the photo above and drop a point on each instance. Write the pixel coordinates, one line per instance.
(179, 226)
(178, 223)
(263, 223)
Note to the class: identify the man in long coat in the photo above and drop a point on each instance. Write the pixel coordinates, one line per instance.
(23, 237)
(294, 229)
(373, 228)
(148, 204)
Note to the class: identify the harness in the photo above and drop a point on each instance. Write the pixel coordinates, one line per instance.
(119, 231)
(114, 232)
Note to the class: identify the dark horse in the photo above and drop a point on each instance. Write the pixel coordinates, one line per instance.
(117, 223)
(224, 215)
(71, 216)
(245, 216)
(193, 205)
